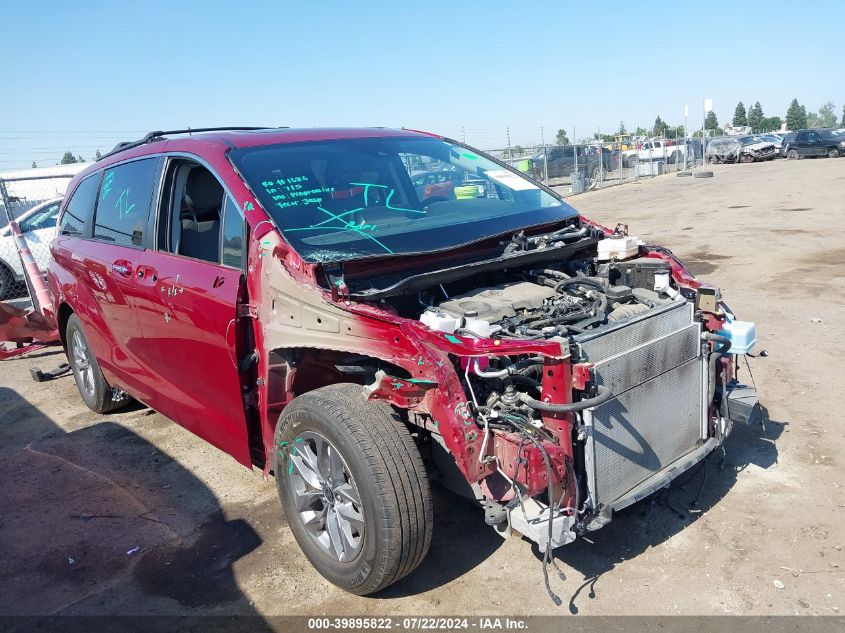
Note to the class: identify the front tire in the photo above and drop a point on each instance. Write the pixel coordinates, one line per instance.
(353, 488)
(792, 154)
(833, 153)
(92, 385)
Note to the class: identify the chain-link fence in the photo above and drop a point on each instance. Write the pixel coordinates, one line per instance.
(33, 203)
(576, 168)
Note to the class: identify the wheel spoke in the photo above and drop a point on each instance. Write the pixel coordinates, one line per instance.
(313, 519)
(349, 519)
(336, 467)
(348, 492)
(304, 450)
(304, 469)
(324, 456)
(306, 497)
(337, 541)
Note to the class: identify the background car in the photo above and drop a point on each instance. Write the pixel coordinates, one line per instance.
(736, 149)
(668, 150)
(563, 159)
(774, 139)
(817, 142)
(38, 226)
(442, 183)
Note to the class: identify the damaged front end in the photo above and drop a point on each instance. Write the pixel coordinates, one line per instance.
(566, 391)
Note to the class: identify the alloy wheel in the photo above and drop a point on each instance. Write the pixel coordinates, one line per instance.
(326, 496)
(82, 363)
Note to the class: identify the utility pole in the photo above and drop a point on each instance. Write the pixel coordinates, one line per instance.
(510, 155)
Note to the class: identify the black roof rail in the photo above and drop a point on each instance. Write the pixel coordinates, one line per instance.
(159, 135)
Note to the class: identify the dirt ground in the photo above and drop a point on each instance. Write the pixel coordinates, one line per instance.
(131, 514)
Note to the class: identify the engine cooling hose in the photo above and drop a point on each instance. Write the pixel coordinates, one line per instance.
(509, 370)
(570, 407)
(580, 281)
(718, 338)
(715, 357)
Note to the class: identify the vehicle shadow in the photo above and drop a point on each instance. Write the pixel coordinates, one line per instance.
(461, 542)
(99, 522)
(666, 512)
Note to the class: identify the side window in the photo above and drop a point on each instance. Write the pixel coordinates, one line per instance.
(44, 219)
(233, 231)
(80, 207)
(124, 204)
(191, 220)
(801, 137)
(813, 137)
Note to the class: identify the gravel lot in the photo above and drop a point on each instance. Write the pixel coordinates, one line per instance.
(129, 513)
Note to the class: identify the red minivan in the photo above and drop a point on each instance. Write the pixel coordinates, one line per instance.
(293, 298)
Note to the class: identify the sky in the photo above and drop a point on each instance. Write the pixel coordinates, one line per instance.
(83, 75)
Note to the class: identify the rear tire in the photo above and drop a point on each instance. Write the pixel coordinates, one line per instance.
(368, 481)
(92, 385)
(8, 284)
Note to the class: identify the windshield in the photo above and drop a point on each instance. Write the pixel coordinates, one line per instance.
(346, 199)
(751, 140)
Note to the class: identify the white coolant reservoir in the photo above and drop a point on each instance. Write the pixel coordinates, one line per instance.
(618, 247)
(479, 327)
(437, 320)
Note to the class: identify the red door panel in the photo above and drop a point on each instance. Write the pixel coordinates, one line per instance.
(186, 310)
(105, 302)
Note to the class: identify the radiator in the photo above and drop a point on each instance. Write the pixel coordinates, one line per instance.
(654, 369)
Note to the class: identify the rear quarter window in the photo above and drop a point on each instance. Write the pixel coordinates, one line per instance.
(123, 208)
(80, 207)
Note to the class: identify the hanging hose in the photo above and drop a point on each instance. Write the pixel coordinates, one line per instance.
(715, 357)
(604, 394)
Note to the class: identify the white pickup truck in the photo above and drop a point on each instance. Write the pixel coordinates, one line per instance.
(657, 149)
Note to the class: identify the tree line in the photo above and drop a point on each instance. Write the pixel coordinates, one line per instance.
(796, 118)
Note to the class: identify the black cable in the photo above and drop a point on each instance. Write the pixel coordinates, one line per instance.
(703, 484)
(547, 555)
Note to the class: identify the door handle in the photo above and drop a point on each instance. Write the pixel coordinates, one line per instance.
(122, 268)
(146, 274)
